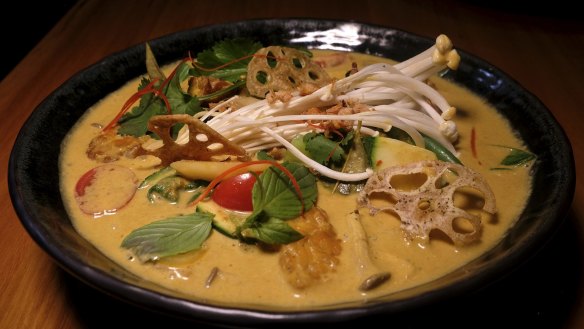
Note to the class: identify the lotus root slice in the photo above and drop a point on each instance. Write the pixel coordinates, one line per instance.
(431, 205)
(277, 68)
(204, 143)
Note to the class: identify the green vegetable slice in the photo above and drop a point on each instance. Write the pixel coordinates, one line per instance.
(441, 152)
(156, 176)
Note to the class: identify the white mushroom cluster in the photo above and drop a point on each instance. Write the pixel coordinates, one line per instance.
(395, 95)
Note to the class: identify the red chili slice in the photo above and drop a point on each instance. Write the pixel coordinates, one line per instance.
(105, 189)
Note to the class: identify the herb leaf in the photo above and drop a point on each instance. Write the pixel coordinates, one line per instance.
(517, 157)
(168, 237)
(135, 122)
(275, 194)
(323, 150)
(270, 230)
(180, 102)
(228, 51)
(263, 155)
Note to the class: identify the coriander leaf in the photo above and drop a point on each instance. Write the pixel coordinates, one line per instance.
(135, 121)
(234, 51)
(275, 194)
(323, 150)
(517, 157)
(348, 139)
(271, 230)
(263, 155)
(180, 102)
(168, 237)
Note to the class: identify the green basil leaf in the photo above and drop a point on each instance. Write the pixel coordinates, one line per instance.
(168, 237)
(324, 150)
(275, 194)
(271, 230)
(517, 157)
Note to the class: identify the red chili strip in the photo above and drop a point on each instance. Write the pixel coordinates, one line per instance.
(473, 143)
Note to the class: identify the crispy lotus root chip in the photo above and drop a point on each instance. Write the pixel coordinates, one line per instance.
(277, 68)
(431, 206)
(204, 143)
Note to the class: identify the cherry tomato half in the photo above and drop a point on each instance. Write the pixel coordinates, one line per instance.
(235, 192)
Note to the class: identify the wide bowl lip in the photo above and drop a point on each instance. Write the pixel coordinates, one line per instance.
(243, 316)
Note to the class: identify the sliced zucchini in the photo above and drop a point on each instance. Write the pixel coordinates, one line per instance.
(226, 221)
(387, 152)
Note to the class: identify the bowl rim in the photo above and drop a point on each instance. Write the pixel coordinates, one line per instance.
(96, 277)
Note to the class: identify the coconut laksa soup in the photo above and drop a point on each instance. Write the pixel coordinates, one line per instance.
(267, 176)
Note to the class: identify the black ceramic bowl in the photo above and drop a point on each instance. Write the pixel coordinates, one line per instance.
(34, 180)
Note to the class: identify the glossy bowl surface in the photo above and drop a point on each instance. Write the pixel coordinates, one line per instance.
(34, 179)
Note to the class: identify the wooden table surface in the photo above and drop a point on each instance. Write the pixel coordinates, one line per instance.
(545, 54)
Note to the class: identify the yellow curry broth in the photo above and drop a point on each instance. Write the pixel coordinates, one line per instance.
(252, 276)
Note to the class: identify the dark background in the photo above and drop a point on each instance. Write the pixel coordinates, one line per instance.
(25, 23)
(537, 295)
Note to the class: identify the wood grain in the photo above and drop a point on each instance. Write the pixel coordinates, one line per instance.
(543, 53)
